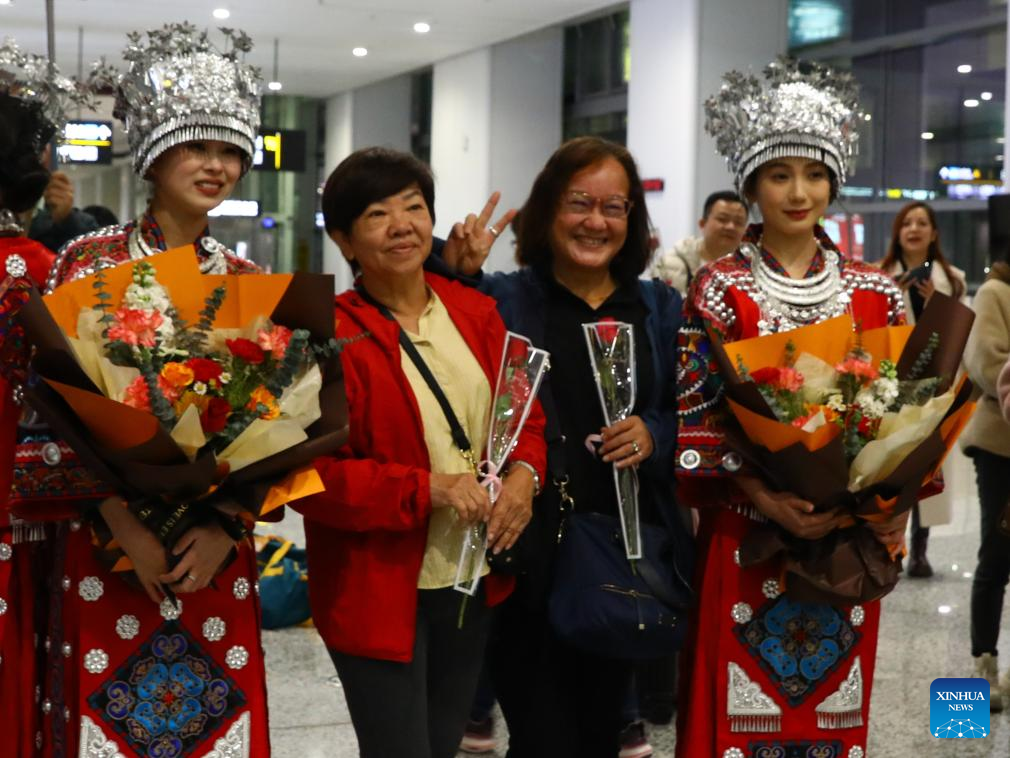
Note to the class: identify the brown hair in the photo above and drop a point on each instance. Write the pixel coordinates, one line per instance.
(533, 224)
(896, 255)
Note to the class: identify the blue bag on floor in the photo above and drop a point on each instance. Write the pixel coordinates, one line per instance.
(284, 584)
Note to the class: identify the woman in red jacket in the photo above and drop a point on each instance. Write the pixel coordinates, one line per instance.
(384, 539)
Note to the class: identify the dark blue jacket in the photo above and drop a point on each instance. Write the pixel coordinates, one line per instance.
(521, 297)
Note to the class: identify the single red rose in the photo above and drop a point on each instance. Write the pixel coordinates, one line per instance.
(607, 328)
(215, 416)
(204, 369)
(768, 375)
(516, 352)
(246, 350)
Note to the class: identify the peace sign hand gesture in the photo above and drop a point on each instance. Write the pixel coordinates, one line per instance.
(470, 241)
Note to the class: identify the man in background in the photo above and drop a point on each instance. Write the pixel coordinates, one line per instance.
(722, 225)
(59, 221)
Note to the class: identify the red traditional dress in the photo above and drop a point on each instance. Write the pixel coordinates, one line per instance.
(20, 578)
(769, 677)
(126, 676)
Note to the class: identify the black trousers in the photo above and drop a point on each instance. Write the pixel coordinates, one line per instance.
(992, 475)
(558, 702)
(419, 709)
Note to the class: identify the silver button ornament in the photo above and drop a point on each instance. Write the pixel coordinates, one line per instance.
(6, 551)
(170, 611)
(51, 456)
(47, 705)
(96, 661)
(67, 649)
(770, 588)
(856, 752)
(732, 462)
(75, 526)
(16, 266)
(736, 556)
(236, 657)
(127, 627)
(690, 460)
(240, 588)
(91, 589)
(733, 752)
(857, 615)
(214, 629)
(65, 583)
(3, 606)
(742, 613)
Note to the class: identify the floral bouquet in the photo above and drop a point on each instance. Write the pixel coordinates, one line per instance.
(185, 391)
(612, 354)
(519, 375)
(847, 419)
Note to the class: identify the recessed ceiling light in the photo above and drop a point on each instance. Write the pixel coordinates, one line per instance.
(867, 117)
(6, 2)
(964, 68)
(944, 609)
(971, 103)
(422, 28)
(359, 52)
(275, 86)
(986, 96)
(927, 135)
(222, 13)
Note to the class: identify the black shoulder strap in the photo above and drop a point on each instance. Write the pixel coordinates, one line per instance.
(458, 434)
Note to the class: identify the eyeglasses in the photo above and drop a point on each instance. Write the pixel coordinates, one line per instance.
(583, 204)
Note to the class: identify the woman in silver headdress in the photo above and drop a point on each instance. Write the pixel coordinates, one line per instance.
(130, 671)
(771, 676)
(32, 107)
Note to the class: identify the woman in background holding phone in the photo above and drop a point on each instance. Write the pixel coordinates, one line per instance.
(919, 267)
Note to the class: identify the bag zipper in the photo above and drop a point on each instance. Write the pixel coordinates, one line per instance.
(634, 594)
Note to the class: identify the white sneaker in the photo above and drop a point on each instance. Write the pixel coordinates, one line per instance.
(986, 667)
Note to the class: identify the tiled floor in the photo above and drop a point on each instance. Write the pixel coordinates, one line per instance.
(924, 635)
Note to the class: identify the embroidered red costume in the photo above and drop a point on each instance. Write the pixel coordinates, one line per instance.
(21, 580)
(768, 676)
(126, 676)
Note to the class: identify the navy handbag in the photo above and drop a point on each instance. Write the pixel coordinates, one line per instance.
(606, 605)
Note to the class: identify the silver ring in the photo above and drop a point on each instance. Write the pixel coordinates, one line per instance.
(635, 447)
(190, 577)
(494, 232)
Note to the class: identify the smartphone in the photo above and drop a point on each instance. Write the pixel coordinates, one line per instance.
(918, 274)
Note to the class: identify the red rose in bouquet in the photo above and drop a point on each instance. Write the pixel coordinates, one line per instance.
(246, 350)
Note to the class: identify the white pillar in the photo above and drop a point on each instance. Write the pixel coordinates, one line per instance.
(339, 130)
(1006, 112)
(381, 115)
(662, 102)
(526, 115)
(679, 51)
(461, 136)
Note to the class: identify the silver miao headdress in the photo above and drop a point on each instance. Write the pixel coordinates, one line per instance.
(27, 77)
(179, 87)
(802, 109)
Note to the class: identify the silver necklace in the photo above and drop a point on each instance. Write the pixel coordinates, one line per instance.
(786, 303)
(215, 261)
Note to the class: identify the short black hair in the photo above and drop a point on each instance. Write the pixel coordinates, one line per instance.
(367, 176)
(727, 196)
(533, 224)
(102, 215)
(24, 131)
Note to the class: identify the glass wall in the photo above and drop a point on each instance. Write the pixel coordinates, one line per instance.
(597, 69)
(933, 76)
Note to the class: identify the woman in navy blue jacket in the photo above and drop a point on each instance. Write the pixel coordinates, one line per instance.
(583, 242)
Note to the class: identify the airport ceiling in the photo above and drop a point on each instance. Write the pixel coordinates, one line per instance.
(316, 37)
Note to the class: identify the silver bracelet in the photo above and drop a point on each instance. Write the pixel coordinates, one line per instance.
(529, 467)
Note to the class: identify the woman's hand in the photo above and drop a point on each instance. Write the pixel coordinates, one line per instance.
(627, 442)
(926, 290)
(892, 531)
(463, 494)
(470, 241)
(143, 549)
(204, 550)
(789, 511)
(512, 511)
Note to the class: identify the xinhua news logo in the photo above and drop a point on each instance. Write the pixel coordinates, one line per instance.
(959, 708)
